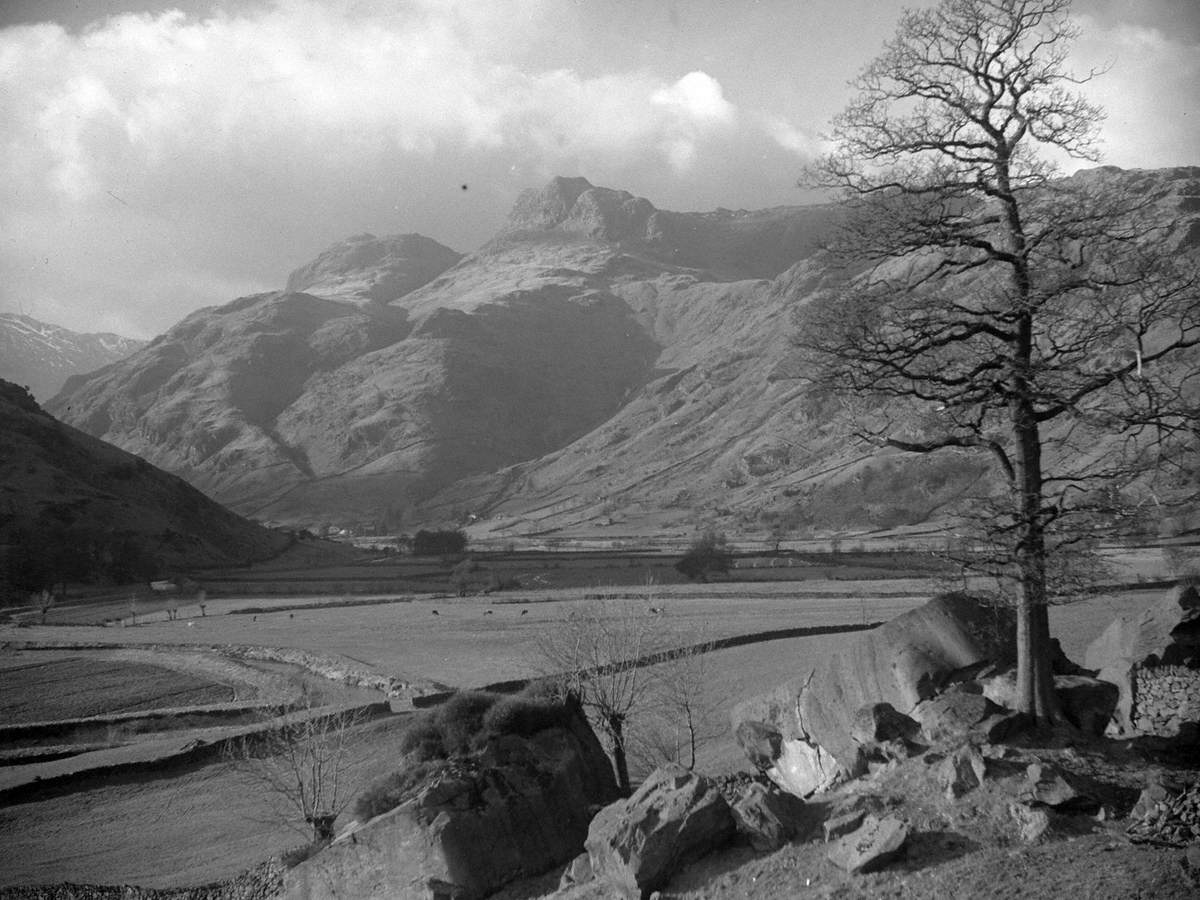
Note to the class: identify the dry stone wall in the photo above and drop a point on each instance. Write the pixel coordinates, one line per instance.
(263, 882)
(1165, 698)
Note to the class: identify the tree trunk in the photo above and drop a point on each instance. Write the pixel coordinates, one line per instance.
(616, 731)
(1035, 680)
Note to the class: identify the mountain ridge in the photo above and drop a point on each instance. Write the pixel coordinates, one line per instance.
(598, 360)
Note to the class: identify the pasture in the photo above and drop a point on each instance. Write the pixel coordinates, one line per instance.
(199, 821)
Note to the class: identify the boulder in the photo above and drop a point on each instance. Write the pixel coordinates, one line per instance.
(768, 818)
(676, 816)
(962, 771)
(1033, 823)
(1045, 785)
(844, 823)
(472, 829)
(1087, 702)
(952, 716)
(876, 843)
(1166, 633)
(901, 663)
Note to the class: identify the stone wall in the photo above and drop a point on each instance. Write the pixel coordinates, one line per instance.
(260, 883)
(1164, 698)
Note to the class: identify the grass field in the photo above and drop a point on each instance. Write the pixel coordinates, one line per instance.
(204, 823)
(77, 687)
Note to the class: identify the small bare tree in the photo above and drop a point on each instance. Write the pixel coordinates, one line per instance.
(308, 761)
(597, 654)
(686, 708)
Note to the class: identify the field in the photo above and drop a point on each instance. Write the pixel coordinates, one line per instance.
(197, 821)
(76, 688)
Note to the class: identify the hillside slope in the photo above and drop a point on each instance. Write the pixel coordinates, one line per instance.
(57, 483)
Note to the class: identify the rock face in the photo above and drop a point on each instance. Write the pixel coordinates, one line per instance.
(42, 357)
(676, 816)
(768, 818)
(1154, 660)
(900, 663)
(522, 809)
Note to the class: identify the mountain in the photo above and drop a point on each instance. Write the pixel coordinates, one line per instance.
(598, 363)
(367, 269)
(42, 356)
(106, 507)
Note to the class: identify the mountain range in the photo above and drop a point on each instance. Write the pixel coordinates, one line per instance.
(42, 356)
(599, 363)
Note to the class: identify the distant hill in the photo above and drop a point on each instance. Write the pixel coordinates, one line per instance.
(599, 364)
(65, 495)
(42, 356)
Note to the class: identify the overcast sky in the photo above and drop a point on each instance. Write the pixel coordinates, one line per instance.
(162, 156)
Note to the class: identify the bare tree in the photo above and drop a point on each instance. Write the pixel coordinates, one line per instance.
(990, 306)
(686, 708)
(308, 761)
(597, 653)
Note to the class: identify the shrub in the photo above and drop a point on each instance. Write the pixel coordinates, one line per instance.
(524, 716)
(390, 791)
(461, 718)
(708, 555)
(296, 855)
(434, 543)
(423, 740)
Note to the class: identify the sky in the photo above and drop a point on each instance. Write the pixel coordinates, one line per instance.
(162, 156)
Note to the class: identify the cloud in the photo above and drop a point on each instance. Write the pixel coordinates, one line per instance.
(152, 136)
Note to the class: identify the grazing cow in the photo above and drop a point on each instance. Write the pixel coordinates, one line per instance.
(435, 612)
(487, 612)
(524, 612)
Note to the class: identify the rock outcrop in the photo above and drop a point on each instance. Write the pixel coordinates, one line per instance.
(1154, 660)
(676, 816)
(520, 809)
(900, 663)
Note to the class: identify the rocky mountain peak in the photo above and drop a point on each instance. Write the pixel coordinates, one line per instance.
(369, 269)
(576, 206)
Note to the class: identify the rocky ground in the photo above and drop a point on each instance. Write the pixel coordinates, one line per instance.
(1114, 844)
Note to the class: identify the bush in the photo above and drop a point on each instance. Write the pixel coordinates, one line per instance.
(296, 855)
(461, 719)
(524, 716)
(439, 543)
(390, 791)
(708, 555)
(423, 740)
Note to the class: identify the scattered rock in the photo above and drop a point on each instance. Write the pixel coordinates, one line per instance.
(839, 825)
(1045, 785)
(676, 816)
(871, 847)
(1166, 816)
(952, 716)
(962, 771)
(1033, 823)
(769, 818)
(760, 742)
(578, 871)
(900, 663)
(1087, 702)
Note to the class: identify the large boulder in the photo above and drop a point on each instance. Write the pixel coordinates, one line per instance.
(768, 817)
(901, 663)
(1088, 703)
(676, 816)
(1164, 634)
(520, 809)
